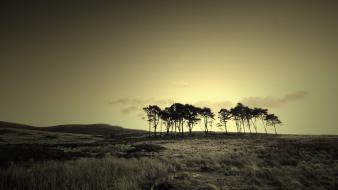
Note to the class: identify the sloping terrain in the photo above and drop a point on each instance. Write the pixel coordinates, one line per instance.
(215, 161)
(4, 124)
(252, 162)
(93, 129)
(96, 129)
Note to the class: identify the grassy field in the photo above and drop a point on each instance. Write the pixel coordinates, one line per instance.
(32, 159)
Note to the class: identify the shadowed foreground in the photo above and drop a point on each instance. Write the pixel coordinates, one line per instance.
(49, 160)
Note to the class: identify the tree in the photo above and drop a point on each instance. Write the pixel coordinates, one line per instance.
(272, 120)
(207, 115)
(235, 116)
(255, 113)
(150, 117)
(166, 118)
(224, 115)
(178, 112)
(153, 114)
(262, 113)
(242, 115)
(247, 115)
(179, 115)
(191, 115)
(238, 115)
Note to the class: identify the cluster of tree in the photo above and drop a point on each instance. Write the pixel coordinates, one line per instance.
(178, 115)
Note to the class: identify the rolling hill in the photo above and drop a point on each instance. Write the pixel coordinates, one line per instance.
(93, 129)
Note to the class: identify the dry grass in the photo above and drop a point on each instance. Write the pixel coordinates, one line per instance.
(85, 174)
(253, 163)
(51, 161)
(19, 136)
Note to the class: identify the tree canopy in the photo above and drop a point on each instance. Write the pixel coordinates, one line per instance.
(178, 116)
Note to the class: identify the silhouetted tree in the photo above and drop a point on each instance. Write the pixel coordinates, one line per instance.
(235, 116)
(207, 115)
(178, 112)
(255, 113)
(153, 113)
(166, 118)
(238, 115)
(272, 120)
(191, 115)
(177, 115)
(149, 116)
(262, 113)
(224, 115)
(242, 115)
(247, 115)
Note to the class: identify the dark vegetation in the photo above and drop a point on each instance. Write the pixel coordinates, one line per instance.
(7, 131)
(53, 160)
(178, 115)
(97, 129)
(141, 150)
(28, 153)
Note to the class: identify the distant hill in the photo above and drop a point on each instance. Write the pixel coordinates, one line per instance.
(97, 129)
(93, 129)
(4, 124)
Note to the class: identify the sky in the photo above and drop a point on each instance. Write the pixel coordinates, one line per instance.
(101, 62)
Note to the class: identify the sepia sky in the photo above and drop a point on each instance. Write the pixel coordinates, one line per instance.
(100, 62)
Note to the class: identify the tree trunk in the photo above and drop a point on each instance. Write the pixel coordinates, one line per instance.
(178, 126)
(155, 126)
(275, 129)
(182, 123)
(171, 128)
(149, 128)
(205, 126)
(254, 126)
(237, 126)
(242, 123)
(168, 128)
(249, 125)
(266, 132)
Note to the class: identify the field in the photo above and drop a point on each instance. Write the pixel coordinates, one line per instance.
(33, 159)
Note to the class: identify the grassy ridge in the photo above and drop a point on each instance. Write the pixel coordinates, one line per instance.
(85, 173)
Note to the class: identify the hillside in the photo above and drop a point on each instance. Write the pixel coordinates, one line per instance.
(4, 124)
(215, 161)
(92, 129)
(96, 129)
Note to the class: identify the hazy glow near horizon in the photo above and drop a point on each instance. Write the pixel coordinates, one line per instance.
(100, 63)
